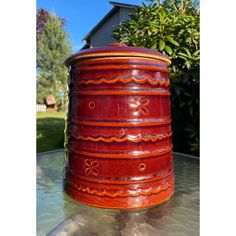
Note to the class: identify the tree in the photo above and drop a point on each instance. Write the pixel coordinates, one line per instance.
(53, 47)
(172, 27)
(42, 17)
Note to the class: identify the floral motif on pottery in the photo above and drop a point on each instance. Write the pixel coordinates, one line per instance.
(139, 106)
(91, 167)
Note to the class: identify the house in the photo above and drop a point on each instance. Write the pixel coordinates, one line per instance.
(102, 33)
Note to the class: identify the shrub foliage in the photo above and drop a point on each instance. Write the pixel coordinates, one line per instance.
(172, 27)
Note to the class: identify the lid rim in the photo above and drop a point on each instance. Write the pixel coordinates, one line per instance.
(115, 51)
(77, 58)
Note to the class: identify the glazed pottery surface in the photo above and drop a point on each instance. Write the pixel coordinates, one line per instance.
(118, 136)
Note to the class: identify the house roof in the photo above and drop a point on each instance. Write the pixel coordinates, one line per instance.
(116, 6)
(119, 4)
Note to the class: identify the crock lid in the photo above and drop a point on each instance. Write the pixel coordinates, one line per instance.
(117, 50)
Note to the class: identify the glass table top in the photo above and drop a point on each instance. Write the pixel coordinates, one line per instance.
(58, 214)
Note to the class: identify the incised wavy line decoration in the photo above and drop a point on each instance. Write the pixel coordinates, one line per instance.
(126, 80)
(125, 193)
(134, 139)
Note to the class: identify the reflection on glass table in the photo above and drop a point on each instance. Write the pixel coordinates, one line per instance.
(58, 214)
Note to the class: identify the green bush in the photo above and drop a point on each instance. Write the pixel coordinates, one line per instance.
(172, 27)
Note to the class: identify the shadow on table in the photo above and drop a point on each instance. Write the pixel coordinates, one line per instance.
(97, 221)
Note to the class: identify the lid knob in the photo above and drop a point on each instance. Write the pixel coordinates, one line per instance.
(117, 45)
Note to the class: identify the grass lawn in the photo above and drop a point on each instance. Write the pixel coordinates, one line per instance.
(50, 131)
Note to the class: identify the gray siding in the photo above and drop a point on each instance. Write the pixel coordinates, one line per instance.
(103, 35)
(124, 13)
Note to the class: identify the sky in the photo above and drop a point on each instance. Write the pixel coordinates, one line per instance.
(81, 15)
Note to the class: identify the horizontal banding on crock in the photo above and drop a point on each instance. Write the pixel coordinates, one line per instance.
(130, 155)
(119, 128)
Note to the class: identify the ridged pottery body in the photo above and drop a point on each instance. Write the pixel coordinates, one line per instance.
(118, 137)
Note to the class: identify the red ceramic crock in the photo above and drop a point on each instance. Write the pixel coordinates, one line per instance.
(118, 137)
